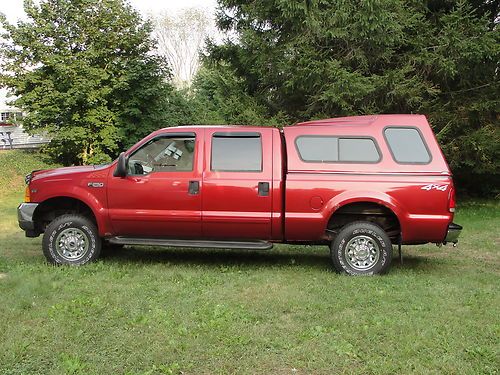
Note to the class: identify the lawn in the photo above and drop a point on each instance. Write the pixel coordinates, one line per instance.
(170, 311)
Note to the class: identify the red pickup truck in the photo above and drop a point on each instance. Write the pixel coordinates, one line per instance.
(358, 184)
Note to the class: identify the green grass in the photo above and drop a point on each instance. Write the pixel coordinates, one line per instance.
(154, 311)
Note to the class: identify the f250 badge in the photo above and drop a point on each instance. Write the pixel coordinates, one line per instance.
(434, 187)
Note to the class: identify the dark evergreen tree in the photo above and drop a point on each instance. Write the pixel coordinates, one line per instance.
(323, 58)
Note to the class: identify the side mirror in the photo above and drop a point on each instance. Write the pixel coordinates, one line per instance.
(121, 166)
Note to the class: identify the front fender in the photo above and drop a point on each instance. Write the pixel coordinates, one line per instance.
(93, 201)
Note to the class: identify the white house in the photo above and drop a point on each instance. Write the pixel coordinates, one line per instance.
(12, 134)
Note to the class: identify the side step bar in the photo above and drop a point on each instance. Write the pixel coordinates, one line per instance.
(248, 245)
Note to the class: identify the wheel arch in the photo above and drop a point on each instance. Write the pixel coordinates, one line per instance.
(55, 206)
(369, 206)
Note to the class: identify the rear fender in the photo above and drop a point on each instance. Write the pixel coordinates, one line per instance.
(348, 197)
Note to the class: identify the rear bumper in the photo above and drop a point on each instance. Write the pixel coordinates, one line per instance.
(25, 213)
(453, 233)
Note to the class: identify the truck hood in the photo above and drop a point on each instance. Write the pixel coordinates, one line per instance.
(64, 171)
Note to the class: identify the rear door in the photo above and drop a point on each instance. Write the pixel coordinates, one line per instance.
(237, 184)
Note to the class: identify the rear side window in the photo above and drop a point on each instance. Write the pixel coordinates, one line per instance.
(407, 145)
(236, 152)
(327, 149)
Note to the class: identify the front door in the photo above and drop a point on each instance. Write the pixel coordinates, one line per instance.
(160, 196)
(237, 184)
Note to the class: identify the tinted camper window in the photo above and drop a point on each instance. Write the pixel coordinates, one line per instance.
(407, 145)
(327, 149)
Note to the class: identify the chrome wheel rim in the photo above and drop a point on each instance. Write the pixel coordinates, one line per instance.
(362, 253)
(72, 244)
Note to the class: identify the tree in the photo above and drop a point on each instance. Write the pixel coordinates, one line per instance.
(180, 40)
(82, 70)
(322, 58)
(218, 96)
(148, 102)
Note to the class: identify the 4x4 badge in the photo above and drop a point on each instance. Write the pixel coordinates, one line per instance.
(435, 187)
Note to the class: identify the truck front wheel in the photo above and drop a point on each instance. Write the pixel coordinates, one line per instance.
(71, 239)
(361, 248)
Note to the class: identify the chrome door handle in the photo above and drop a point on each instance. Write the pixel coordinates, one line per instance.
(263, 190)
(194, 187)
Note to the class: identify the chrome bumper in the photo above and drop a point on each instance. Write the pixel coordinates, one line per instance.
(25, 218)
(452, 234)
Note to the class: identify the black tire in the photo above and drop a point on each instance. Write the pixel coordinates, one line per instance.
(71, 239)
(361, 248)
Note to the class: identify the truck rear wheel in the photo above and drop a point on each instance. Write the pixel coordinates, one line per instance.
(361, 248)
(71, 239)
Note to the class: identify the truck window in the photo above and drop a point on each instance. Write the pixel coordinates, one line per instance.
(236, 152)
(328, 149)
(407, 145)
(169, 153)
(362, 150)
(321, 149)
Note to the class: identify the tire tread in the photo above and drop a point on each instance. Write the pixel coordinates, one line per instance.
(81, 221)
(348, 228)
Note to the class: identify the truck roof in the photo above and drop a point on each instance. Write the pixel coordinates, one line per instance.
(356, 120)
(183, 127)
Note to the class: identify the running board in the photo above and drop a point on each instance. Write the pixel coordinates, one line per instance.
(247, 245)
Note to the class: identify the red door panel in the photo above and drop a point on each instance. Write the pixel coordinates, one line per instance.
(157, 204)
(232, 205)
